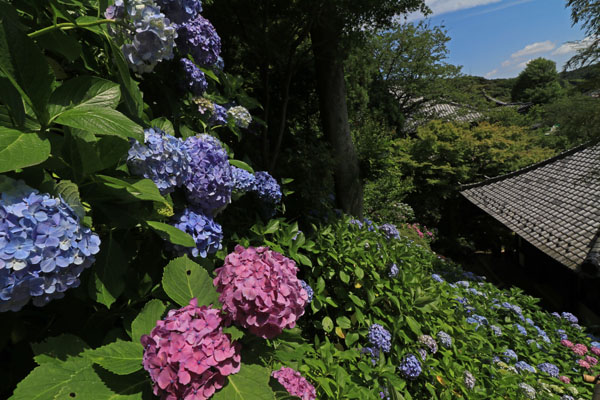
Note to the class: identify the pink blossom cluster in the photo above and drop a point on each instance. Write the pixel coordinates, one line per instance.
(566, 343)
(579, 349)
(294, 383)
(584, 364)
(591, 360)
(596, 350)
(187, 354)
(259, 289)
(564, 379)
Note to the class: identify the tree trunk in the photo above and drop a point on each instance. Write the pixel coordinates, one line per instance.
(331, 89)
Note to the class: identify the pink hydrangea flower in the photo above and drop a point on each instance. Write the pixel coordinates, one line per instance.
(579, 349)
(564, 379)
(260, 291)
(584, 364)
(566, 343)
(596, 351)
(295, 384)
(187, 354)
(591, 360)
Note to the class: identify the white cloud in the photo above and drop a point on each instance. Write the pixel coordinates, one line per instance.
(491, 73)
(572, 47)
(439, 7)
(506, 63)
(523, 64)
(534, 48)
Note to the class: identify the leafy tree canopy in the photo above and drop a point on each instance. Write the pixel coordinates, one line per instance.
(538, 82)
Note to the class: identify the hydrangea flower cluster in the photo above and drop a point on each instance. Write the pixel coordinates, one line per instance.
(259, 289)
(43, 248)
(510, 355)
(200, 39)
(437, 278)
(564, 379)
(390, 231)
(595, 350)
(162, 158)
(266, 187)
(469, 380)
(209, 183)
(521, 329)
(218, 115)
(187, 354)
(206, 233)
(429, 342)
(243, 181)
(569, 317)
(410, 367)
(373, 352)
(496, 330)
(294, 383)
(151, 38)
(308, 289)
(445, 339)
(240, 116)
(550, 369)
(380, 337)
(527, 390)
(393, 271)
(523, 366)
(579, 349)
(180, 11)
(591, 360)
(584, 364)
(423, 354)
(195, 80)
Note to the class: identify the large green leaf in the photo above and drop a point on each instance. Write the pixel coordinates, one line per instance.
(140, 189)
(84, 92)
(251, 383)
(19, 149)
(183, 280)
(106, 283)
(89, 154)
(61, 43)
(10, 96)
(146, 319)
(23, 64)
(119, 357)
(132, 97)
(58, 348)
(101, 121)
(172, 234)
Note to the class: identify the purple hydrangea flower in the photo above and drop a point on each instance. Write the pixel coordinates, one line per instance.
(445, 339)
(180, 11)
(43, 248)
(151, 36)
(521, 329)
(354, 221)
(218, 116)
(243, 181)
(550, 369)
(469, 380)
(195, 80)
(528, 390)
(200, 39)
(209, 184)
(437, 278)
(266, 187)
(569, 317)
(373, 352)
(410, 367)
(380, 337)
(510, 355)
(393, 271)
(496, 330)
(523, 366)
(429, 342)
(206, 233)
(463, 283)
(308, 289)
(162, 158)
(390, 231)
(423, 354)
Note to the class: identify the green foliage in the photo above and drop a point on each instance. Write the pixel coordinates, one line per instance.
(251, 383)
(184, 280)
(586, 13)
(538, 83)
(576, 119)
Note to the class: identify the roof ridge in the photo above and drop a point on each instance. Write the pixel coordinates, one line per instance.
(528, 168)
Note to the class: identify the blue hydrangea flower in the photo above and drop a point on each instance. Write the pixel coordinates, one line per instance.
(445, 339)
(150, 38)
(195, 80)
(529, 321)
(210, 183)
(555, 314)
(429, 342)
(463, 283)
(393, 271)
(354, 221)
(532, 341)
(367, 223)
(521, 329)
(410, 367)
(308, 289)
(243, 181)
(380, 337)
(200, 39)
(180, 11)
(390, 231)
(423, 354)
(570, 317)
(523, 366)
(510, 355)
(43, 249)
(266, 187)
(373, 352)
(562, 334)
(550, 369)
(595, 344)
(206, 233)
(469, 380)
(240, 116)
(218, 116)
(162, 158)
(567, 397)
(527, 390)
(437, 278)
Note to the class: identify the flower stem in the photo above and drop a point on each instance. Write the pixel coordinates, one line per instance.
(68, 25)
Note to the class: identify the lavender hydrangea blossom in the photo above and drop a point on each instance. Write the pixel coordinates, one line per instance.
(43, 249)
(210, 183)
(523, 366)
(410, 367)
(266, 187)
(218, 115)
(393, 271)
(180, 11)
(151, 38)
(550, 369)
(200, 39)
(429, 342)
(206, 233)
(390, 231)
(469, 380)
(162, 158)
(445, 339)
(380, 337)
(243, 181)
(528, 390)
(195, 80)
(308, 289)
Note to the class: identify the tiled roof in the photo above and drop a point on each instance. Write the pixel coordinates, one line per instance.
(554, 205)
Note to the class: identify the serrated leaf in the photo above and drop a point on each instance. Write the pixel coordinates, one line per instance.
(234, 332)
(83, 92)
(242, 165)
(58, 348)
(19, 149)
(11, 97)
(139, 189)
(89, 154)
(106, 283)
(413, 325)
(146, 319)
(119, 357)
(272, 226)
(304, 260)
(69, 192)
(101, 121)
(132, 97)
(172, 234)
(251, 383)
(61, 43)
(183, 280)
(163, 124)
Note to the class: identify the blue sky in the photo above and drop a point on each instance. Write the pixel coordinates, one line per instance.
(496, 38)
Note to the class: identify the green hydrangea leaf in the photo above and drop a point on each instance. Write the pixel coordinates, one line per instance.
(146, 319)
(119, 357)
(19, 149)
(183, 280)
(251, 383)
(172, 234)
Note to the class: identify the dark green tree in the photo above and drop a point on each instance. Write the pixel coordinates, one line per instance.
(538, 83)
(586, 13)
